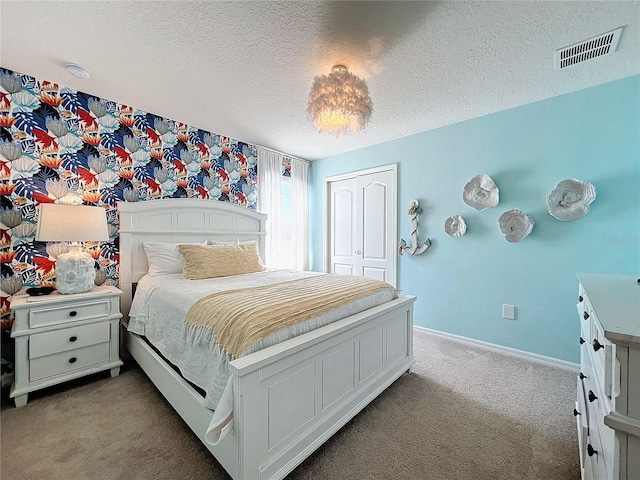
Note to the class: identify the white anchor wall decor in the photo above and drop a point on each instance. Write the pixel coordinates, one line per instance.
(415, 248)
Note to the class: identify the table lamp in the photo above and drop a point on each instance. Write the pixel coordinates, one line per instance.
(75, 272)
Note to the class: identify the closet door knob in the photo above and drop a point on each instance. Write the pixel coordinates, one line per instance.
(591, 451)
(581, 340)
(592, 396)
(596, 345)
(575, 412)
(585, 315)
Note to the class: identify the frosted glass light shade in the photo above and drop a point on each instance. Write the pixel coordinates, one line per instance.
(75, 272)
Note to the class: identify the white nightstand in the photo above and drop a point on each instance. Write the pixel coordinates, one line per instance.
(62, 337)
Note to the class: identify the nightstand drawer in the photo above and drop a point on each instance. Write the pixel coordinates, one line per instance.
(42, 344)
(68, 361)
(50, 315)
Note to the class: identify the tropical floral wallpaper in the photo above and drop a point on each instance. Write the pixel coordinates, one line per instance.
(58, 145)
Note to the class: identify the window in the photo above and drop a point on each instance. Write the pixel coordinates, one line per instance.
(283, 197)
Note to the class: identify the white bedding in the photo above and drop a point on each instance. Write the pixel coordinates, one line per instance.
(161, 303)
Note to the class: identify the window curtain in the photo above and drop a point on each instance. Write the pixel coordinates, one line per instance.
(279, 253)
(300, 200)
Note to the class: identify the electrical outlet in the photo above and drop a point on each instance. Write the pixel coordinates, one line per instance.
(508, 311)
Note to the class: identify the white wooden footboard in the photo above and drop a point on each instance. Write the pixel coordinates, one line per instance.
(290, 398)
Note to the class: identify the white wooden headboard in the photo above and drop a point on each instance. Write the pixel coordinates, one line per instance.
(178, 220)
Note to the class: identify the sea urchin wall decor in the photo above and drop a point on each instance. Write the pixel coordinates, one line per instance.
(515, 225)
(455, 226)
(481, 192)
(570, 199)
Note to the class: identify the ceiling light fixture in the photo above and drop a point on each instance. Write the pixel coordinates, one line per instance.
(78, 71)
(339, 102)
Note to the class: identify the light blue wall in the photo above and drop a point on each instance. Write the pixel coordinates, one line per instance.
(461, 283)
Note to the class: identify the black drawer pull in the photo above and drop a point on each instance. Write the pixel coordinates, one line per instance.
(581, 340)
(582, 376)
(591, 451)
(585, 315)
(596, 345)
(72, 360)
(73, 313)
(580, 298)
(575, 412)
(592, 396)
(73, 339)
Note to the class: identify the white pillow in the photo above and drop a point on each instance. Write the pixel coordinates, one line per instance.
(165, 258)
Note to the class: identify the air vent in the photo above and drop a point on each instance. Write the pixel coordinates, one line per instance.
(604, 44)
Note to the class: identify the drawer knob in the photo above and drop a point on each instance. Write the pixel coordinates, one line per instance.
(73, 313)
(582, 376)
(581, 340)
(585, 315)
(596, 345)
(575, 412)
(580, 298)
(591, 451)
(73, 339)
(72, 360)
(592, 396)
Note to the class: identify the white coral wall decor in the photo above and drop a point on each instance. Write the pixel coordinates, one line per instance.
(515, 225)
(415, 248)
(455, 226)
(481, 192)
(570, 199)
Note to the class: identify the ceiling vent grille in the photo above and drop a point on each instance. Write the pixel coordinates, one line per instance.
(604, 44)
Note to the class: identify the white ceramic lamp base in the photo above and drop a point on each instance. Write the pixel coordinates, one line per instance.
(74, 271)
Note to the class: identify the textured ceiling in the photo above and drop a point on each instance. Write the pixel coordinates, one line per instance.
(244, 69)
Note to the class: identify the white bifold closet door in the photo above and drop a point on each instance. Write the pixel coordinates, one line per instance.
(361, 224)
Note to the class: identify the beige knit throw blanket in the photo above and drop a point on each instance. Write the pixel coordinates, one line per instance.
(237, 319)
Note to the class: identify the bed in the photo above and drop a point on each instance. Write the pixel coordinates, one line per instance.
(286, 399)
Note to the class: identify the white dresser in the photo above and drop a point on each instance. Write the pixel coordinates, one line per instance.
(608, 398)
(62, 337)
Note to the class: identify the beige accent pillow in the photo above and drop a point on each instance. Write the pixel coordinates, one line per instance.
(220, 260)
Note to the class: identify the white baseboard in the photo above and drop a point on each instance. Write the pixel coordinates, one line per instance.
(511, 352)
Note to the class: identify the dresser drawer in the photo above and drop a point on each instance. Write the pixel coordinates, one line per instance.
(584, 310)
(65, 362)
(42, 344)
(596, 458)
(582, 417)
(51, 315)
(601, 437)
(603, 359)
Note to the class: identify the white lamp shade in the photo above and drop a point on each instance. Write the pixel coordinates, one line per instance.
(71, 223)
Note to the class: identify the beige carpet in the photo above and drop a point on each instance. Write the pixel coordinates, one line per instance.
(463, 413)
